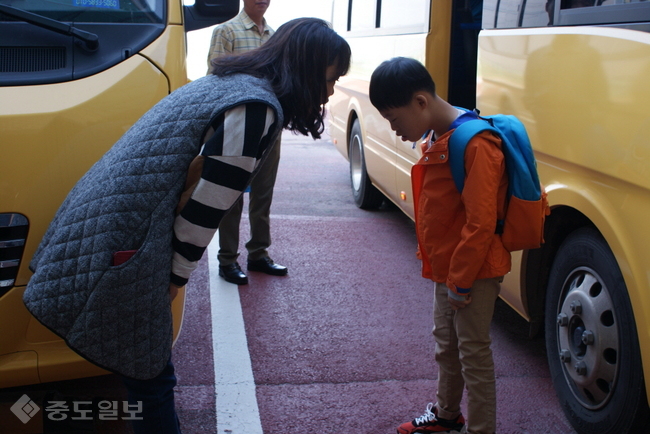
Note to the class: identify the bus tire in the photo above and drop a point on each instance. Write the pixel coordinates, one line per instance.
(366, 195)
(591, 339)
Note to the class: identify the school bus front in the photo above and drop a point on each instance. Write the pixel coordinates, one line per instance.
(65, 98)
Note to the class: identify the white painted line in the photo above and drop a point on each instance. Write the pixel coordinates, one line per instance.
(236, 401)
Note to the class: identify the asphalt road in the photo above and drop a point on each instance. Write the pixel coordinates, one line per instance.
(341, 344)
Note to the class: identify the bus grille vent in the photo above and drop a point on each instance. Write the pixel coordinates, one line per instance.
(13, 235)
(31, 59)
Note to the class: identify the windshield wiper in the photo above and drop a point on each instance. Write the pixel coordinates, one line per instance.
(91, 41)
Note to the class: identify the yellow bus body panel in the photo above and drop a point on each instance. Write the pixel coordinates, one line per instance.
(54, 133)
(591, 132)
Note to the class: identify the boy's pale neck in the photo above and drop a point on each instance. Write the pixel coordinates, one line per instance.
(443, 114)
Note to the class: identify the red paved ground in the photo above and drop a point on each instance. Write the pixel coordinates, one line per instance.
(343, 343)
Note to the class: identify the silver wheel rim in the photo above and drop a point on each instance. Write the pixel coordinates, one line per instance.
(355, 162)
(587, 332)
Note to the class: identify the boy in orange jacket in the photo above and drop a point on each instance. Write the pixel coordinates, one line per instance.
(458, 246)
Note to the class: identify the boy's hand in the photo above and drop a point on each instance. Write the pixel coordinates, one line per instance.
(459, 304)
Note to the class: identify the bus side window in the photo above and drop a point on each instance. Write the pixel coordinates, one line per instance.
(588, 12)
(489, 14)
(362, 14)
(508, 12)
(571, 4)
(399, 14)
(538, 13)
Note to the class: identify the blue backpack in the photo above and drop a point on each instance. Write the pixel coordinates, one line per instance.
(527, 207)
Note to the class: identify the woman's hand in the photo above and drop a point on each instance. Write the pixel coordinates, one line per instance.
(173, 291)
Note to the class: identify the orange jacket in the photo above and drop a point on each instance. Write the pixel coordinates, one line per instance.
(456, 239)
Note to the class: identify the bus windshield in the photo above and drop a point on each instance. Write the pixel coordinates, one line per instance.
(92, 11)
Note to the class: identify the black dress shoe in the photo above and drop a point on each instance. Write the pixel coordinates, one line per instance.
(232, 273)
(266, 265)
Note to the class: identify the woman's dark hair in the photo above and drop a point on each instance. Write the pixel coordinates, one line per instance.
(394, 82)
(294, 60)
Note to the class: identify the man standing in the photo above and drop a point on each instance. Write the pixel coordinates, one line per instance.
(245, 32)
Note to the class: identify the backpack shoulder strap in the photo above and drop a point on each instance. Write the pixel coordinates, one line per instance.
(457, 144)
(520, 158)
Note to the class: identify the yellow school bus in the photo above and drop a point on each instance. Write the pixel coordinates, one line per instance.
(74, 76)
(576, 73)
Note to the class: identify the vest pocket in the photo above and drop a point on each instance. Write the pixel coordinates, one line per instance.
(122, 256)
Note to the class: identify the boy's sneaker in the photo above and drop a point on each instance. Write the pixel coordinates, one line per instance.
(430, 423)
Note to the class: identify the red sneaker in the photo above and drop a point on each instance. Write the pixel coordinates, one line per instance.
(430, 423)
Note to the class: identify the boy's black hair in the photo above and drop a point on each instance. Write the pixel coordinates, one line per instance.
(394, 82)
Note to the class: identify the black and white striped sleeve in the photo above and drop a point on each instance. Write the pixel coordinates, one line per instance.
(231, 155)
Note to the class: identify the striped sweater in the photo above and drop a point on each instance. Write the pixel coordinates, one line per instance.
(227, 160)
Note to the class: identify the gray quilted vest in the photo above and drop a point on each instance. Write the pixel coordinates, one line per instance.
(119, 317)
